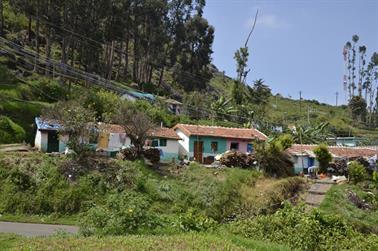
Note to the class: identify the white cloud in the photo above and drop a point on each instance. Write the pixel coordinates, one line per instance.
(267, 21)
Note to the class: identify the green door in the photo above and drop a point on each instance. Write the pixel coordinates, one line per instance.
(52, 142)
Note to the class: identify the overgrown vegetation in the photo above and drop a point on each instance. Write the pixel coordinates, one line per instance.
(337, 203)
(298, 229)
(36, 184)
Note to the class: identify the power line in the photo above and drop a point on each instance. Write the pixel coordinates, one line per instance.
(160, 66)
(95, 79)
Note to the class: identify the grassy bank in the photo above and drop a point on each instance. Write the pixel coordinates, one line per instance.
(190, 241)
(337, 203)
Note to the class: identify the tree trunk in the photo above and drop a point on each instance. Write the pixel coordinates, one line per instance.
(1, 18)
(37, 36)
(120, 56)
(48, 51)
(110, 63)
(30, 29)
(161, 76)
(125, 69)
(150, 75)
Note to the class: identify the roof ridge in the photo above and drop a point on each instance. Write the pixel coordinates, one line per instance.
(216, 126)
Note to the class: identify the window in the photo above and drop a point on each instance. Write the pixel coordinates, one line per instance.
(163, 142)
(234, 146)
(155, 143)
(214, 146)
(249, 148)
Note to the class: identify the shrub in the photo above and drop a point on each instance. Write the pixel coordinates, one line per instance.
(374, 178)
(273, 160)
(10, 132)
(356, 172)
(152, 154)
(323, 156)
(193, 221)
(123, 213)
(237, 159)
(303, 230)
(341, 166)
(128, 154)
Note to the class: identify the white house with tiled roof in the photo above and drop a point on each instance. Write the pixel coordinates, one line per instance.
(112, 138)
(203, 143)
(304, 157)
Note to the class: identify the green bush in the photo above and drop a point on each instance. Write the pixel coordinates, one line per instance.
(123, 213)
(193, 221)
(301, 230)
(374, 178)
(323, 156)
(356, 172)
(10, 132)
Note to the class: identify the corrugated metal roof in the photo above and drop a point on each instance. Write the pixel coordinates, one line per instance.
(47, 124)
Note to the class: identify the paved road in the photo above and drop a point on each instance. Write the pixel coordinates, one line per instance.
(29, 229)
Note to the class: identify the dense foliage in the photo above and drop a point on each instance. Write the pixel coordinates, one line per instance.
(10, 132)
(323, 156)
(356, 172)
(305, 231)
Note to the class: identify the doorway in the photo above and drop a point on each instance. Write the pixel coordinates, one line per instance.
(198, 151)
(52, 142)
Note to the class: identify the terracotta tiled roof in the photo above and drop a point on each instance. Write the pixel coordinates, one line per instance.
(158, 132)
(110, 128)
(223, 132)
(163, 132)
(336, 151)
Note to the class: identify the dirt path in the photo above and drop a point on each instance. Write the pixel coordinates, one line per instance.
(31, 229)
(317, 192)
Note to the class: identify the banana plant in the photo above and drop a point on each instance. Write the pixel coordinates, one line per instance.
(222, 107)
(310, 134)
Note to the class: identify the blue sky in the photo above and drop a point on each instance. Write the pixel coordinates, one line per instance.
(297, 44)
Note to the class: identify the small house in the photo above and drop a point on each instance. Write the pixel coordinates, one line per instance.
(113, 138)
(133, 95)
(47, 138)
(304, 156)
(172, 105)
(344, 141)
(166, 140)
(203, 143)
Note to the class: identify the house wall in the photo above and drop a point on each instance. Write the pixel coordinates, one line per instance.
(298, 166)
(41, 141)
(207, 151)
(169, 152)
(183, 144)
(242, 144)
(63, 139)
(116, 140)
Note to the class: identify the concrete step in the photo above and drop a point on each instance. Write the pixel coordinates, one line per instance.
(320, 188)
(314, 199)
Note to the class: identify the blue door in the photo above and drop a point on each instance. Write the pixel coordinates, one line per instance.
(311, 162)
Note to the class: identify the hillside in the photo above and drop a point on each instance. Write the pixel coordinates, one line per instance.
(286, 111)
(35, 73)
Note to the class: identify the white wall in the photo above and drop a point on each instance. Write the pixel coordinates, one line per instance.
(183, 143)
(172, 146)
(116, 140)
(38, 140)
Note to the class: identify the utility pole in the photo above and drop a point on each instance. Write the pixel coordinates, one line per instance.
(337, 98)
(300, 102)
(308, 114)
